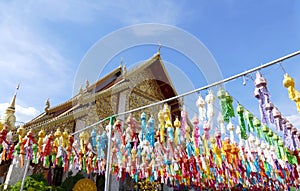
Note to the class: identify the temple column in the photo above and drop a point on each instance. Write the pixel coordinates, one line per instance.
(121, 107)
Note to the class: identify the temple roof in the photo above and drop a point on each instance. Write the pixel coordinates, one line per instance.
(117, 77)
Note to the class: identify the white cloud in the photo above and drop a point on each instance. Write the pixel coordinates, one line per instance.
(69, 10)
(23, 114)
(295, 120)
(147, 11)
(30, 57)
(132, 11)
(125, 11)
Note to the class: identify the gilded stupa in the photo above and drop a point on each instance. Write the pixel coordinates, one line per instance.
(9, 118)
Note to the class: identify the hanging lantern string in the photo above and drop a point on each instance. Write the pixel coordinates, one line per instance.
(249, 76)
(257, 118)
(199, 89)
(233, 119)
(270, 70)
(282, 68)
(248, 110)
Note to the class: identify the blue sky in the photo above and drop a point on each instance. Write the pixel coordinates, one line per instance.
(43, 42)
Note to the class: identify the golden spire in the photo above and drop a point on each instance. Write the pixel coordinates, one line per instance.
(11, 107)
(9, 117)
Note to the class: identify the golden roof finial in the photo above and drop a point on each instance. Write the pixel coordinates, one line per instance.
(121, 62)
(159, 47)
(87, 84)
(81, 90)
(123, 66)
(47, 105)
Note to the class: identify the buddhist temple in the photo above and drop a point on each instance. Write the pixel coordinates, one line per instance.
(118, 91)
